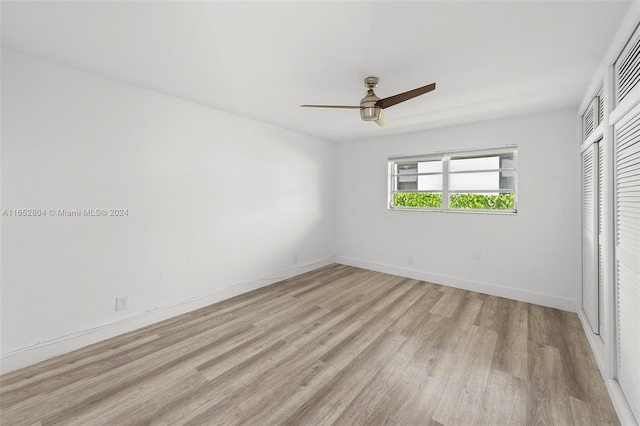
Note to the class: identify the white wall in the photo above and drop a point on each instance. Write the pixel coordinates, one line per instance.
(532, 256)
(215, 200)
(73, 140)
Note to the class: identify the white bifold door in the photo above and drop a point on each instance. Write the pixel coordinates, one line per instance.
(627, 256)
(590, 231)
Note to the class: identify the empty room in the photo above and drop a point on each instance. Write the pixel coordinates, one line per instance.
(320, 213)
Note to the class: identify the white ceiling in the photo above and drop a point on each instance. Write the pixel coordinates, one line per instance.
(263, 59)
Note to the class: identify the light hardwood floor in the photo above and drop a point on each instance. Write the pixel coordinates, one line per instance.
(339, 345)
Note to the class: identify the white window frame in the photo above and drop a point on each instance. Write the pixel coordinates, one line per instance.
(445, 157)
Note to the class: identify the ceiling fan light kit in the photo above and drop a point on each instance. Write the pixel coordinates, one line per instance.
(369, 110)
(371, 106)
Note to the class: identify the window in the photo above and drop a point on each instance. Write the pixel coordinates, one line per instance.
(477, 181)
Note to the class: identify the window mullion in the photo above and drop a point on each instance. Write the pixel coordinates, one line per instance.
(445, 182)
(515, 179)
(393, 184)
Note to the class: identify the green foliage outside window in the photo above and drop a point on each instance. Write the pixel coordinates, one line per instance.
(418, 199)
(482, 202)
(456, 201)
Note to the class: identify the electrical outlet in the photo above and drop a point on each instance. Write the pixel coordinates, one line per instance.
(295, 258)
(121, 303)
(409, 260)
(477, 253)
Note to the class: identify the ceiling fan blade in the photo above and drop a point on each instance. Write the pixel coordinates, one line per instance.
(331, 106)
(401, 97)
(382, 120)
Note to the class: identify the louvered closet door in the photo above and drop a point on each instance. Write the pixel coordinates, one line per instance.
(588, 122)
(627, 67)
(601, 207)
(589, 236)
(627, 256)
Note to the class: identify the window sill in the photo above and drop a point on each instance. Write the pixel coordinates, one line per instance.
(465, 211)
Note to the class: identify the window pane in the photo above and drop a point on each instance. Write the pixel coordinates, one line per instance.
(409, 182)
(430, 183)
(407, 168)
(508, 179)
(482, 201)
(419, 167)
(468, 164)
(430, 166)
(418, 199)
(506, 161)
(477, 181)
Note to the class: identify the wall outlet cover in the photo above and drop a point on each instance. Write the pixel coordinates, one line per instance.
(121, 303)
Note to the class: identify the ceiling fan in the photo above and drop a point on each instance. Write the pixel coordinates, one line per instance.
(371, 106)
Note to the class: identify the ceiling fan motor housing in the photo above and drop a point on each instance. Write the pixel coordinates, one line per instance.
(369, 111)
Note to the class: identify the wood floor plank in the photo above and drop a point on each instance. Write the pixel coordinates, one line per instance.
(320, 330)
(494, 315)
(349, 290)
(149, 397)
(541, 325)
(433, 331)
(71, 399)
(85, 371)
(591, 382)
(214, 367)
(511, 351)
(374, 392)
(61, 365)
(317, 342)
(581, 412)
(321, 290)
(449, 302)
(339, 345)
(329, 401)
(466, 313)
(374, 326)
(412, 317)
(415, 397)
(459, 403)
(295, 398)
(547, 393)
(505, 402)
(283, 381)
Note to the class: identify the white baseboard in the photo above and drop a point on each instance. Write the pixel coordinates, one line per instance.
(478, 286)
(41, 351)
(595, 341)
(625, 415)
